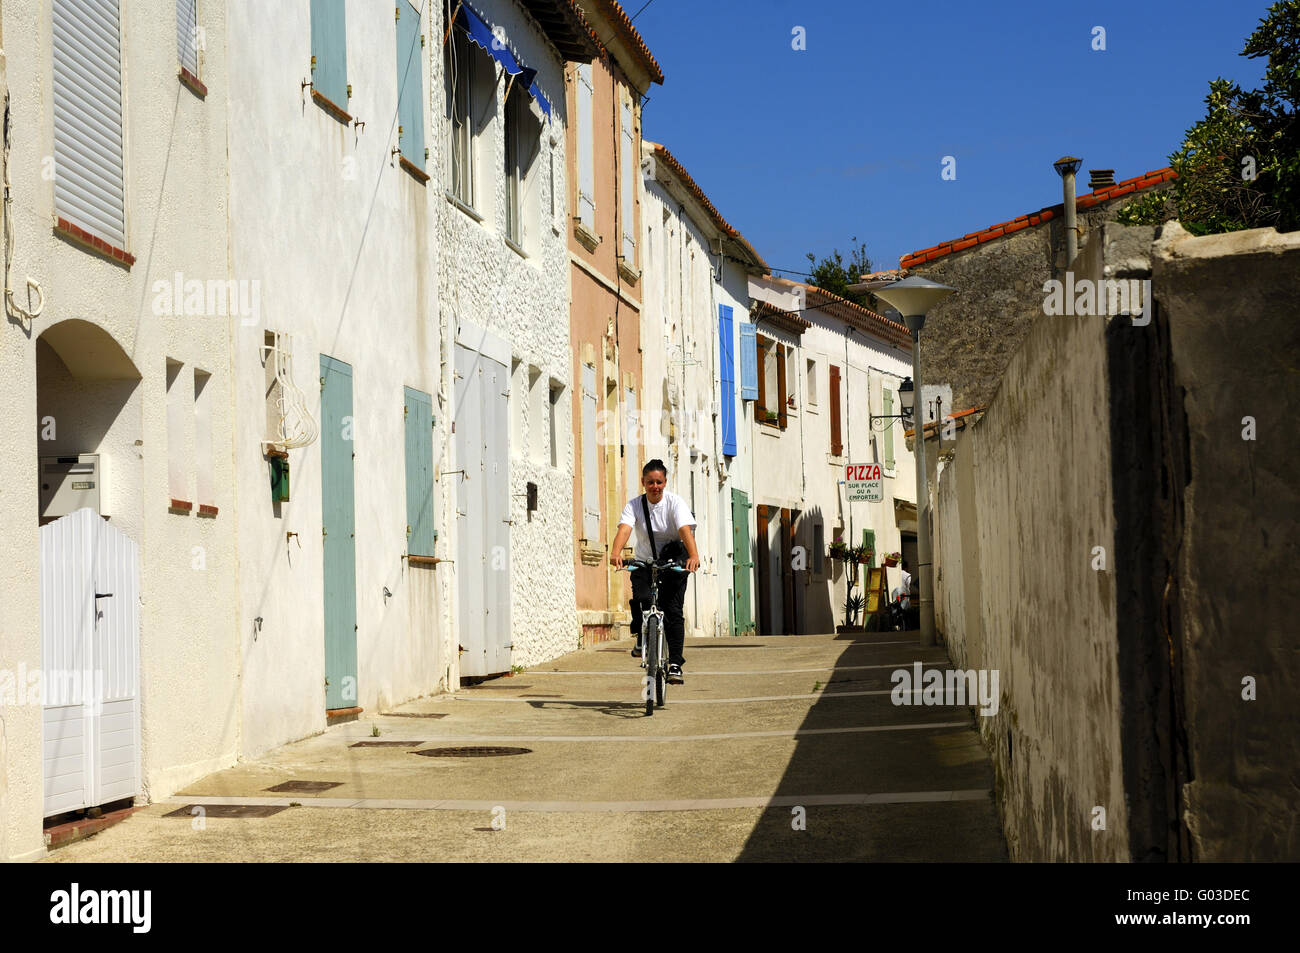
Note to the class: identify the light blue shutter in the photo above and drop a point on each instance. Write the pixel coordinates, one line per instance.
(89, 189)
(410, 87)
(748, 363)
(420, 532)
(727, 356)
(329, 49)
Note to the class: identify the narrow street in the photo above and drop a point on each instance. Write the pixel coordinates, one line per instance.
(762, 727)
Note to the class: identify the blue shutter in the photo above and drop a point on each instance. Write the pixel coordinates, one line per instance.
(329, 49)
(420, 534)
(748, 363)
(727, 356)
(410, 87)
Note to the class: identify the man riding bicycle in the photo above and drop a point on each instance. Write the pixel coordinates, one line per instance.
(674, 538)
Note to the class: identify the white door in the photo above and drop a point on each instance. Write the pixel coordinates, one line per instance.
(482, 513)
(90, 636)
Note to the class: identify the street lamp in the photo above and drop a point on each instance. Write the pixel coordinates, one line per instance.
(907, 400)
(912, 298)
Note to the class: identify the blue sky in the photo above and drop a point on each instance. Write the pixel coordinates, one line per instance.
(802, 150)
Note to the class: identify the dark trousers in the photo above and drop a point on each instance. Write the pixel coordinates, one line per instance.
(672, 594)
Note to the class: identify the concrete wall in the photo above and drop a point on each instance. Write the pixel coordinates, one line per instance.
(175, 166)
(345, 244)
(1234, 344)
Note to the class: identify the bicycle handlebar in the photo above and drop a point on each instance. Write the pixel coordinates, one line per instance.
(630, 564)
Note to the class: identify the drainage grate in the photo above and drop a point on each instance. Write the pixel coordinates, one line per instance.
(479, 752)
(545, 696)
(226, 810)
(304, 787)
(489, 687)
(386, 744)
(415, 714)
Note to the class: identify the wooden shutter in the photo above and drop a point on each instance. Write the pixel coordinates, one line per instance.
(889, 433)
(187, 40)
(761, 345)
(780, 383)
(748, 363)
(590, 483)
(726, 356)
(586, 149)
(410, 85)
(420, 532)
(89, 182)
(627, 184)
(329, 50)
(837, 447)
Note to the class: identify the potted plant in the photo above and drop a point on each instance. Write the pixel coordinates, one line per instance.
(891, 559)
(852, 606)
(771, 416)
(838, 549)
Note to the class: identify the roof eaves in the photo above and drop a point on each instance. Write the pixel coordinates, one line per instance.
(623, 26)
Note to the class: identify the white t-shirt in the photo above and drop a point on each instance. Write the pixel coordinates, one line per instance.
(667, 516)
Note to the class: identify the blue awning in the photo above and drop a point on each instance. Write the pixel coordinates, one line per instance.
(481, 35)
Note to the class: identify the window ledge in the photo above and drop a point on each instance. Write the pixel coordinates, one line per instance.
(207, 509)
(628, 272)
(772, 430)
(585, 235)
(467, 209)
(338, 112)
(811, 408)
(835, 460)
(192, 83)
(413, 560)
(180, 506)
(890, 472)
(419, 174)
(65, 229)
(516, 248)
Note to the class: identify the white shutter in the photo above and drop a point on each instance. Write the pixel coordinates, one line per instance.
(631, 451)
(89, 187)
(586, 149)
(590, 483)
(627, 185)
(187, 40)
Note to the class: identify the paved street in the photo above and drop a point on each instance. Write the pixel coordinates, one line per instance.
(763, 726)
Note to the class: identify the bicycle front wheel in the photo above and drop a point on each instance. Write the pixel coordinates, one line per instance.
(650, 643)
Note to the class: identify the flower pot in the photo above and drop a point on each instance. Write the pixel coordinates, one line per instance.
(890, 561)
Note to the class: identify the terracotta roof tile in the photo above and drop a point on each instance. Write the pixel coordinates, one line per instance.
(628, 33)
(661, 152)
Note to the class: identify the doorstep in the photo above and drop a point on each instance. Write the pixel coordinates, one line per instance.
(80, 829)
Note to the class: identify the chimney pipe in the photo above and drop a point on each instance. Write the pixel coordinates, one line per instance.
(1066, 167)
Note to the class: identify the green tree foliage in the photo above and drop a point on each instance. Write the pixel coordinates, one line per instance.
(831, 274)
(1239, 167)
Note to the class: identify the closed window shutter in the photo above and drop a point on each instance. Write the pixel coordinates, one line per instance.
(760, 362)
(780, 383)
(837, 447)
(627, 144)
(410, 86)
(590, 482)
(329, 50)
(631, 452)
(586, 149)
(89, 183)
(727, 358)
(748, 363)
(420, 532)
(187, 40)
(889, 434)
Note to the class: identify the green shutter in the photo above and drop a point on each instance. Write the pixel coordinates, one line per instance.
(410, 86)
(338, 533)
(329, 51)
(869, 541)
(742, 565)
(889, 433)
(420, 532)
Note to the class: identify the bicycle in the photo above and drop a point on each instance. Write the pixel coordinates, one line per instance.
(654, 645)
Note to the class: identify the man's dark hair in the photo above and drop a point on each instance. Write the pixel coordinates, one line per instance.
(904, 563)
(655, 464)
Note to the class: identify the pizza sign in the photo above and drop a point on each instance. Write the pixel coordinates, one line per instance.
(865, 482)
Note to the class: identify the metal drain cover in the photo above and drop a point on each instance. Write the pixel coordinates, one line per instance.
(415, 714)
(386, 744)
(476, 752)
(304, 787)
(226, 810)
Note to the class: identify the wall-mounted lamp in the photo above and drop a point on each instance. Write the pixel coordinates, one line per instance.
(906, 398)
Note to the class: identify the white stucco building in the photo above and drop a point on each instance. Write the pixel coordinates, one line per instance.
(695, 280)
(116, 376)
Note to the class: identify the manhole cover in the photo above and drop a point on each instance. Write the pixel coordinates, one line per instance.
(226, 810)
(415, 714)
(386, 744)
(304, 787)
(485, 687)
(477, 752)
(545, 696)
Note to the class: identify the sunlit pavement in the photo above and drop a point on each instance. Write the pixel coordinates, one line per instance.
(785, 748)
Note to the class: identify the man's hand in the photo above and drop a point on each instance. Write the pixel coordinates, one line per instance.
(616, 559)
(692, 564)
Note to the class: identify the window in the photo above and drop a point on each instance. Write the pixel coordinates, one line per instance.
(590, 482)
(772, 392)
(178, 486)
(420, 525)
(627, 166)
(819, 549)
(586, 149)
(189, 39)
(522, 141)
(811, 376)
(329, 55)
(538, 412)
(410, 85)
(460, 73)
(89, 184)
(205, 488)
(837, 447)
(518, 407)
(557, 394)
(513, 187)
